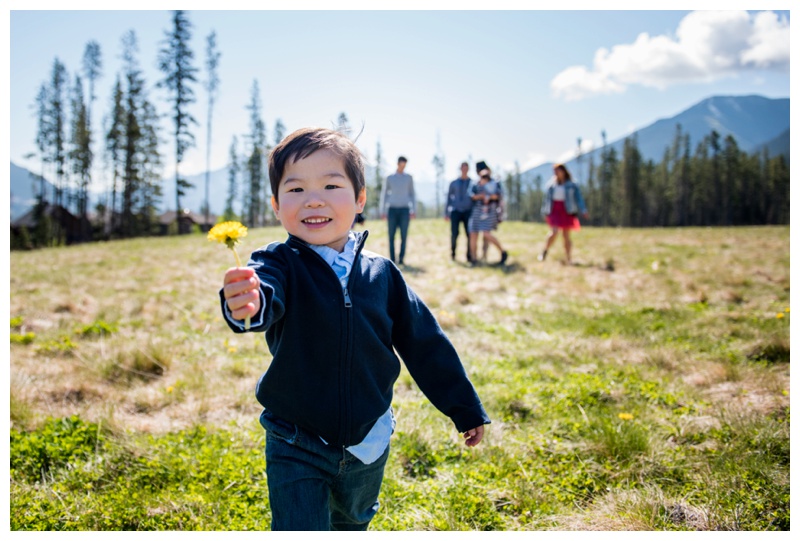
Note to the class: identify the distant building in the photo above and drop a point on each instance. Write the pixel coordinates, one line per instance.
(186, 219)
(68, 223)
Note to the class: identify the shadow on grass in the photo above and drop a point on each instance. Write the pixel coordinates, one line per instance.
(411, 269)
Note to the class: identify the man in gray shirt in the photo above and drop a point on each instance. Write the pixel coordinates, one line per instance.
(459, 208)
(399, 204)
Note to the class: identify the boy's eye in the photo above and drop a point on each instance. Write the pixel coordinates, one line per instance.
(332, 187)
(295, 190)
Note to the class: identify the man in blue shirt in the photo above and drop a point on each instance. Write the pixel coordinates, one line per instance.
(458, 210)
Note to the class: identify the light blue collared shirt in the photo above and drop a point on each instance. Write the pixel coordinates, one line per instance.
(376, 441)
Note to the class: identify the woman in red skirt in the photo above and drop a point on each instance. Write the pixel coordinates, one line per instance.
(560, 206)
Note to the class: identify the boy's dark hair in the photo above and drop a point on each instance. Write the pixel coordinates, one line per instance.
(402, 159)
(301, 143)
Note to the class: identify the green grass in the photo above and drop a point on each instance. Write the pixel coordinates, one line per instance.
(651, 394)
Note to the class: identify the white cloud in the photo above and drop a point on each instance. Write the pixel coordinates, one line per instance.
(707, 45)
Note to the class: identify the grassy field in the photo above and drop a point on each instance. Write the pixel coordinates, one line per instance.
(644, 388)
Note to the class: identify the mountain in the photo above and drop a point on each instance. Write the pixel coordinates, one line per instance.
(779, 145)
(23, 196)
(754, 121)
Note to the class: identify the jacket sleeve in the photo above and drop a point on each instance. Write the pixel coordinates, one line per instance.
(271, 274)
(432, 360)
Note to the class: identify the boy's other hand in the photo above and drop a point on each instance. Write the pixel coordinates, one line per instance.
(474, 436)
(241, 292)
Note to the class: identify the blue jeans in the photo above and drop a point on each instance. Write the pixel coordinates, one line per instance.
(314, 486)
(398, 217)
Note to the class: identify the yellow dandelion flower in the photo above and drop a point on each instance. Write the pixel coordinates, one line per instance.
(230, 234)
(232, 349)
(625, 416)
(779, 315)
(170, 389)
(787, 310)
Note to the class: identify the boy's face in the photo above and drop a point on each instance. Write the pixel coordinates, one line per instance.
(316, 200)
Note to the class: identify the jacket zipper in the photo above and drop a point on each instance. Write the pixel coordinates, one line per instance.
(344, 385)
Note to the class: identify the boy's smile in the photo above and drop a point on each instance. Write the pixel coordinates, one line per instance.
(316, 200)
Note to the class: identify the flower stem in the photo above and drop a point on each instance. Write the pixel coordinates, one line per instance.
(239, 264)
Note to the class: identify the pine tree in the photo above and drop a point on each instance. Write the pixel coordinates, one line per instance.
(629, 197)
(234, 169)
(211, 86)
(92, 66)
(81, 154)
(151, 169)
(42, 140)
(374, 195)
(175, 61)
(255, 166)
(342, 123)
(280, 131)
(115, 142)
(57, 125)
(132, 132)
(439, 165)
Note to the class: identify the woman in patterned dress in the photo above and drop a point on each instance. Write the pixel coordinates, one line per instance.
(486, 194)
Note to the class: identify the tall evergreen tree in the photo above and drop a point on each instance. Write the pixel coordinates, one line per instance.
(132, 131)
(81, 155)
(151, 169)
(280, 131)
(211, 86)
(374, 194)
(629, 198)
(255, 160)
(175, 61)
(42, 139)
(92, 69)
(57, 125)
(114, 147)
(342, 123)
(234, 168)
(439, 165)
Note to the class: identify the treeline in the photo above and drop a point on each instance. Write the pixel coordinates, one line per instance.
(714, 183)
(127, 146)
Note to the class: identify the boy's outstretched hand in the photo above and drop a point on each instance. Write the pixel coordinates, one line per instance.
(241, 292)
(474, 436)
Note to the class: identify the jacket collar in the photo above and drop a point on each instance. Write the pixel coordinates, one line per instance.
(361, 238)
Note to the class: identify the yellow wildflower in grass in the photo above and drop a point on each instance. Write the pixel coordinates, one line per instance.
(230, 234)
(170, 389)
(779, 315)
(787, 310)
(625, 416)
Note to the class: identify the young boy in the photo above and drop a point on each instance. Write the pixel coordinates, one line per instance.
(333, 315)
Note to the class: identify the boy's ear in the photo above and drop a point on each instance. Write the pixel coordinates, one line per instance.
(361, 200)
(275, 206)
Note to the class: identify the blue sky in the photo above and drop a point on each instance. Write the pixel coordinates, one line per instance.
(503, 86)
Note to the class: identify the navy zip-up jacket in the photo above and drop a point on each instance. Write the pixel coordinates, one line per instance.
(333, 363)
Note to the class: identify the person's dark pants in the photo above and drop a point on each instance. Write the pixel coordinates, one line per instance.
(458, 217)
(398, 217)
(314, 486)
